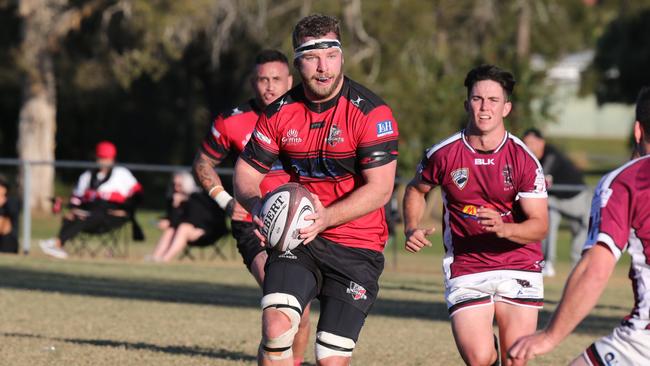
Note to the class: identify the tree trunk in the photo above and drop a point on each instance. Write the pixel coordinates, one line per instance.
(523, 31)
(37, 119)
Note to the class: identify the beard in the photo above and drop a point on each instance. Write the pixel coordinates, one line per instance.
(322, 92)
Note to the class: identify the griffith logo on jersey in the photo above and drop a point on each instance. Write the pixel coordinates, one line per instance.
(460, 177)
(384, 128)
(291, 137)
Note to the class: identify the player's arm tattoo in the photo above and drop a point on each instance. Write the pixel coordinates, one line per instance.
(204, 171)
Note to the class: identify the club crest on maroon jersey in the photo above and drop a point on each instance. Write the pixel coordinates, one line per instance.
(460, 177)
(507, 178)
(357, 291)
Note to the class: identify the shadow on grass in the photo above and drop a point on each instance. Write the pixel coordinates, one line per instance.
(138, 346)
(206, 293)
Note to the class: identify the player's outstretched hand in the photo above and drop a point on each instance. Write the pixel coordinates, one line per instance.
(416, 239)
(528, 347)
(491, 221)
(321, 221)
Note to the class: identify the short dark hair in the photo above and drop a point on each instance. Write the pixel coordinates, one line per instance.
(643, 109)
(490, 72)
(315, 25)
(268, 55)
(533, 131)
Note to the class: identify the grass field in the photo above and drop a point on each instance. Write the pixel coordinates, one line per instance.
(106, 311)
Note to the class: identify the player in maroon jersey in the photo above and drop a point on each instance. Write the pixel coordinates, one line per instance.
(620, 221)
(228, 135)
(495, 216)
(340, 141)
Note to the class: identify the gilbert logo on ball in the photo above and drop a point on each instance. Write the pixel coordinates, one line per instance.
(283, 215)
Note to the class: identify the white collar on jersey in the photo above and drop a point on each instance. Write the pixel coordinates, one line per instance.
(464, 138)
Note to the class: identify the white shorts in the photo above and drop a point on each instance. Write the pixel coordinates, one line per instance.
(515, 287)
(625, 346)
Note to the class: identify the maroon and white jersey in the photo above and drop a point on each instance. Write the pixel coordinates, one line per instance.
(620, 219)
(326, 146)
(470, 179)
(230, 132)
(115, 187)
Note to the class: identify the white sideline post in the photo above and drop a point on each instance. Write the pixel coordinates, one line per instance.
(27, 214)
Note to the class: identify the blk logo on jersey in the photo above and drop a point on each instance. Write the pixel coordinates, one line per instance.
(357, 291)
(334, 136)
(291, 137)
(384, 128)
(460, 177)
(481, 161)
(236, 111)
(357, 101)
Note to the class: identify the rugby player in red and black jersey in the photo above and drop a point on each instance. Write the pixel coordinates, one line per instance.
(495, 216)
(339, 140)
(228, 135)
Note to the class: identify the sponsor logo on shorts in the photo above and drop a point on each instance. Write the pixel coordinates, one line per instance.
(384, 128)
(523, 283)
(610, 359)
(460, 177)
(288, 255)
(357, 291)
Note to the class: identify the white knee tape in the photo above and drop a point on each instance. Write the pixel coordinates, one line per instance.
(279, 348)
(328, 344)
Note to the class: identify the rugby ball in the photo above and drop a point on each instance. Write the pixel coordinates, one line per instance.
(283, 215)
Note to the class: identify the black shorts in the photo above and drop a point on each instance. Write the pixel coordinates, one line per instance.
(248, 243)
(344, 279)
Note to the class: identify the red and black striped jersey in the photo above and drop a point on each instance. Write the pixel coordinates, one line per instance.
(325, 147)
(228, 135)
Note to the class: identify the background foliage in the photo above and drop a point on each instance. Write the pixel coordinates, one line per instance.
(150, 75)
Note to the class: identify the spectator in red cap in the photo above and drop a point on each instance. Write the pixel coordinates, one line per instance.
(102, 200)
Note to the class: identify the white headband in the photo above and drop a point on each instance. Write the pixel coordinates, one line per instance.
(316, 44)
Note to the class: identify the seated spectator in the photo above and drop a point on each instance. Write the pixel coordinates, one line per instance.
(103, 199)
(192, 219)
(9, 211)
(571, 204)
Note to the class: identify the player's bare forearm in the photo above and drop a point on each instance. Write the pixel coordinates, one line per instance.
(247, 185)
(530, 231)
(375, 193)
(413, 204)
(204, 171)
(583, 288)
(582, 291)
